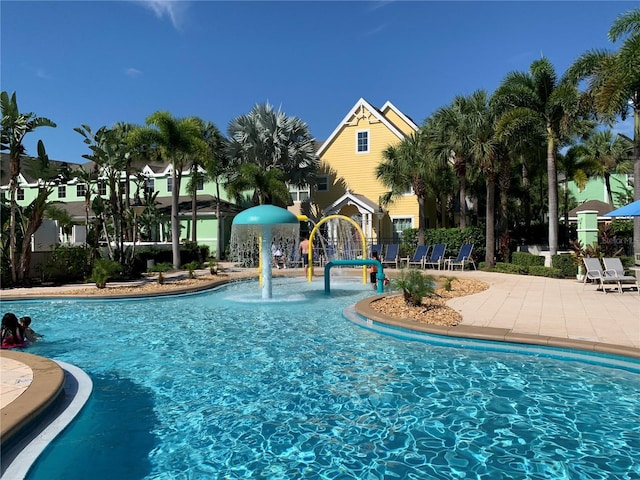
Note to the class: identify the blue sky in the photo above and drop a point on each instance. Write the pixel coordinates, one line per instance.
(97, 63)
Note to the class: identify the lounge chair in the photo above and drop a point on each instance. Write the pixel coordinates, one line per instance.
(614, 265)
(463, 258)
(419, 256)
(437, 256)
(595, 273)
(392, 255)
(377, 247)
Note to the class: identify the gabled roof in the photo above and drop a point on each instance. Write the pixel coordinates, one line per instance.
(363, 104)
(594, 205)
(362, 202)
(408, 120)
(597, 205)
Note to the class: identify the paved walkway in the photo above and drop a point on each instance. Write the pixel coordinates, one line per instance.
(561, 308)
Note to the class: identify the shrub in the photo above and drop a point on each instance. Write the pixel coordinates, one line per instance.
(191, 267)
(539, 271)
(67, 264)
(161, 267)
(511, 268)
(103, 270)
(453, 238)
(526, 259)
(564, 263)
(414, 285)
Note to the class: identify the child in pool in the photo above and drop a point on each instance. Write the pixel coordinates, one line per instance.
(29, 333)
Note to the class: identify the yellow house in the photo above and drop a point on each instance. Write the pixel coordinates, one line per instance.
(347, 183)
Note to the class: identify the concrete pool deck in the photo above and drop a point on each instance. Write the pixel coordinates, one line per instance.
(515, 308)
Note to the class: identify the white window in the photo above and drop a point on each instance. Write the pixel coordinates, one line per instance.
(102, 187)
(20, 194)
(362, 141)
(149, 185)
(323, 183)
(81, 190)
(170, 184)
(62, 191)
(200, 184)
(400, 224)
(299, 194)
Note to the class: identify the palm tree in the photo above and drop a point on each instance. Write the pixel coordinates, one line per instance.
(487, 153)
(546, 105)
(174, 138)
(613, 85)
(449, 141)
(215, 165)
(33, 214)
(406, 165)
(108, 152)
(269, 140)
(606, 155)
(15, 126)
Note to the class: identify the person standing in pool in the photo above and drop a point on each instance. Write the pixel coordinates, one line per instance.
(304, 253)
(373, 270)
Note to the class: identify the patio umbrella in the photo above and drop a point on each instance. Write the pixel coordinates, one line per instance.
(631, 210)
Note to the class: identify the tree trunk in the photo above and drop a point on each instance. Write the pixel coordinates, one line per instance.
(636, 173)
(194, 217)
(607, 184)
(526, 194)
(12, 231)
(490, 235)
(14, 170)
(421, 220)
(552, 175)
(175, 218)
(219, 227)
(463, 200)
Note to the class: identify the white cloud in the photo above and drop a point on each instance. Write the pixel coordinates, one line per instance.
(42, 73)
(173, 9)
(132, 72)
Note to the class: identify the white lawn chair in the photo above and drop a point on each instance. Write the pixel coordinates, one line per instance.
(614, 265)
(595, 273)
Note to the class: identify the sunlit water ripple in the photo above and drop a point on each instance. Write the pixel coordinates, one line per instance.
(218, 385)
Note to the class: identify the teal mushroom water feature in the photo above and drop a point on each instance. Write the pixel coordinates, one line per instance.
(263, 228)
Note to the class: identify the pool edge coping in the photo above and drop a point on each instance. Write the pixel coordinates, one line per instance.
(45, 388)
(363, 308)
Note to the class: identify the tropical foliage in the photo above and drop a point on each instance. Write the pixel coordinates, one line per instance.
(268, 151)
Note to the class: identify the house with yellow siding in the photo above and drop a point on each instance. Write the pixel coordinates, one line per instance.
(347, 183)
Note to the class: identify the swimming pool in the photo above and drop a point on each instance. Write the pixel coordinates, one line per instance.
(225, 385)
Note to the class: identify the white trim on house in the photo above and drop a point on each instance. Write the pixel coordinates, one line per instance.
(391, 106)
(362, 103)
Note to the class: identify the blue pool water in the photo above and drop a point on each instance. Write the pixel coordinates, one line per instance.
(224, 385)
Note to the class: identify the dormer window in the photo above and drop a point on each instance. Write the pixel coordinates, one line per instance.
(362, 141)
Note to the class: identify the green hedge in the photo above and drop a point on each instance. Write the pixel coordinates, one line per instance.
(551, 272)
(453, 238)
(537, 270)
(68, 264)
(527, 259)
(564, 263)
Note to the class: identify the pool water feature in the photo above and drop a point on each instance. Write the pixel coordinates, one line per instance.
(217, 385)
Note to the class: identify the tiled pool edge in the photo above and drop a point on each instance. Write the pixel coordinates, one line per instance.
(363, 308)
(45, 422)
(46, 386)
